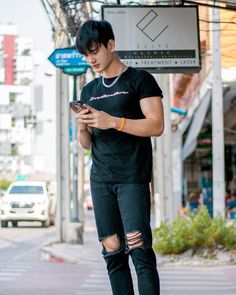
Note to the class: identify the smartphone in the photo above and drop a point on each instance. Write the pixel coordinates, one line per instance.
(77, 106)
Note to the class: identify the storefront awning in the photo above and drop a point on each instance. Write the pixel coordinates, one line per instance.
(190, 143)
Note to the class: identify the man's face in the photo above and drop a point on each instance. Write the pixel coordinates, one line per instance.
(99, 57)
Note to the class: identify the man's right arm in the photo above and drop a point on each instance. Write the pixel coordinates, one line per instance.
(84, 137)
(84, 132)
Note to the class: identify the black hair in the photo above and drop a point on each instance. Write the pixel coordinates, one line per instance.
(92, 33)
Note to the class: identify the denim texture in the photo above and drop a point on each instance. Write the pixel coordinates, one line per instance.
(121, 209)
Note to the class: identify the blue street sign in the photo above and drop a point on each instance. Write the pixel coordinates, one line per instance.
(75, 71)
(67, 57)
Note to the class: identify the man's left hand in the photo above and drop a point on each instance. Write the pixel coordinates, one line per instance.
(98, 119)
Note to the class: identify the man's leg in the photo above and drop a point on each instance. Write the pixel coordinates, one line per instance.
(117, 266)
(134, 204)
(111, 234)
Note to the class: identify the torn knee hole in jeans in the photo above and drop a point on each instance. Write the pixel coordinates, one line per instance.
(111, 243)
(134, 239)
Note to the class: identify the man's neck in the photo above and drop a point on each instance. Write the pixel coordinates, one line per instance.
(114, 69)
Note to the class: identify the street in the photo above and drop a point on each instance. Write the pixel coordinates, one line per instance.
(22, 271)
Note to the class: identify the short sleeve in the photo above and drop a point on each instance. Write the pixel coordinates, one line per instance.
(82, 95)
(147, 86)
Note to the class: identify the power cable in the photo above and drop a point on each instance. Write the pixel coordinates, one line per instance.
(49, 16)
(217, 22)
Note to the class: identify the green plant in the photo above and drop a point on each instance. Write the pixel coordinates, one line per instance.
(194, 231)
(26, 52)
(13, 122)
(14, 151)
(25, 81)
(4, 184)
(12, 96)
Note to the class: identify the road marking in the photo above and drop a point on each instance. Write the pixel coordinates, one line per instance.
(20, 267)
(172, 280)
(10, 274)
(13, 270)
(98, 283)
(198, 280)
(214, 284)
(88, 285)
(200, 288)
(190, 272)
(6, 279)
(191, 278)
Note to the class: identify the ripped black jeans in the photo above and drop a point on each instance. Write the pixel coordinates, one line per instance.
(123, 209)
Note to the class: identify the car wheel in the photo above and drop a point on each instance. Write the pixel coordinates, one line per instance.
(52, 221)
(14, 223)
(4, 223)
(46, 223)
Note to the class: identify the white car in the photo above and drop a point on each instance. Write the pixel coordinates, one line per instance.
(25, 201)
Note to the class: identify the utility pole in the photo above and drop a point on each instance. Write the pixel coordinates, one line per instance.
(217, 121)
(177, 170)
(62, 131)
(81, 173)
(164, 206)
(66, 17)
(75, 211)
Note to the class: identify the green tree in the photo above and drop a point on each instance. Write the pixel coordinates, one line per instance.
(4, 184)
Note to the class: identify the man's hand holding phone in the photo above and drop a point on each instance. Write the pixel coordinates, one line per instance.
(80, 110)
(88, 117)
(77, 106)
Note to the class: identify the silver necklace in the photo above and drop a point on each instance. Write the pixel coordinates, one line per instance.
(116, 79)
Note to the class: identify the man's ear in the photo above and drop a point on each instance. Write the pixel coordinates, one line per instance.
(111, 45)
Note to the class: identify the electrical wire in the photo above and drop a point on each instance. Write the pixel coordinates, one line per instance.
(233, 7)
(49, 15)
(59, 21)
(217, 22)
(220, 30)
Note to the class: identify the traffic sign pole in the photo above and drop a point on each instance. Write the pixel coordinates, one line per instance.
(71, 62)
(75, 207)
(75, 88)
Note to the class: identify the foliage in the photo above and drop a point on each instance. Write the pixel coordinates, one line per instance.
(4, 184)
(26, 52)
(25, 81)
(12, 96)
(194, 230)
(14, 151)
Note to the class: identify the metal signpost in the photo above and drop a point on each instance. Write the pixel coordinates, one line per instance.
(72, 63)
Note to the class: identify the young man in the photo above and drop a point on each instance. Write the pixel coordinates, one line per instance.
(123, 109)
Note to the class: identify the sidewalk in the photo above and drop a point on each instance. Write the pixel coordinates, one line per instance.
(74, 253)
(90, 252)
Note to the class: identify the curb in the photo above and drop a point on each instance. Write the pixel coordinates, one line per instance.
(55, 251)
(192, 261)
(64, 255)
(51, 256)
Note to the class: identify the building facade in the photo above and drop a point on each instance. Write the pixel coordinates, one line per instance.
(22, 112)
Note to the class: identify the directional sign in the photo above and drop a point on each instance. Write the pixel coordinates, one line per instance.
(67, 57)
(75, 71)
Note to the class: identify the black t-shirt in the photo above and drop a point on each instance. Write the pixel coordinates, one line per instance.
(118, 157)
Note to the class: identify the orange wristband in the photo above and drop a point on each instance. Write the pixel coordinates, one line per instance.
(122, 125)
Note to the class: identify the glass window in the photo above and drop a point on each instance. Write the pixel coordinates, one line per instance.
(26, 189)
